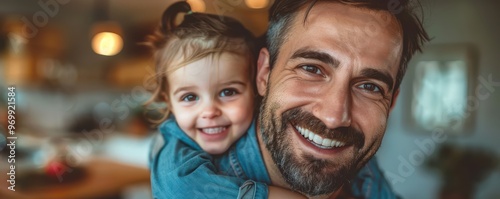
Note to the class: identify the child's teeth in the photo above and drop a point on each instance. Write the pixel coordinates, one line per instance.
(213, 130)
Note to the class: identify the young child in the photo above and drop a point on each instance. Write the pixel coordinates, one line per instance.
(205, 74)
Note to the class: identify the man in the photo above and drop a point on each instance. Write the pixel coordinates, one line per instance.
(329, 80)
(329, 77)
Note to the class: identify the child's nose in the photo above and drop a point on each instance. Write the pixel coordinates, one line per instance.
(210, 111)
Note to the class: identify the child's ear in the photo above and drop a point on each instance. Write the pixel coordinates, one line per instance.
(164, 97)
(263, 71)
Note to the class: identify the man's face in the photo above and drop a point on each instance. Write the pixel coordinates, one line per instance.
(329, 94)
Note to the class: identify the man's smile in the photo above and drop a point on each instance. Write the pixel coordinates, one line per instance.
(319, 141)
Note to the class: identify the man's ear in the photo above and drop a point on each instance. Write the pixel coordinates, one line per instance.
(394, 100)
(263, 71)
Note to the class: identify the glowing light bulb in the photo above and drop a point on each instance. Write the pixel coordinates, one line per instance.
(107, 43)
(256, 4)
(197, 5)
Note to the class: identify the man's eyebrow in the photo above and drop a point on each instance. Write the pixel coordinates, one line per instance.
(379, 75)
(317, 55)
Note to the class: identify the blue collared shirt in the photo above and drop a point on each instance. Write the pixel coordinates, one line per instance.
(181, 169)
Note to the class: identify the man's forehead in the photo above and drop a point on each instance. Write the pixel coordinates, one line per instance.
(336, 8)
(349, 14)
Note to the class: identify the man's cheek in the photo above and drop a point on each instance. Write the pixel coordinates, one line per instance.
(376, 133)
(370, 112)
(293, 95)
(371, 122)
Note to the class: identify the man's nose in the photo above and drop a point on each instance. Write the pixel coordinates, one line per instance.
(333, 107)
(210, 110)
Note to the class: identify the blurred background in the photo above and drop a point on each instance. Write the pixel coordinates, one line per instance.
(80, 75)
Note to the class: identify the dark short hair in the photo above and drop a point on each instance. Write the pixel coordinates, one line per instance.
(283, 12)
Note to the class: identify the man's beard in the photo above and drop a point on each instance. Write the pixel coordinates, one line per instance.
(305, 173)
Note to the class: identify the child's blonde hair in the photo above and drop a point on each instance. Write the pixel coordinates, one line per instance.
(198, 35)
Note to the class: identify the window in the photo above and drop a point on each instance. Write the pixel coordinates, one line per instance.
(440, 87)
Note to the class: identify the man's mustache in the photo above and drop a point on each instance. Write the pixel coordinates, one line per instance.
(304, 119)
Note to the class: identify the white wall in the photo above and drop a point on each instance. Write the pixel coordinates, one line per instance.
(476, 23)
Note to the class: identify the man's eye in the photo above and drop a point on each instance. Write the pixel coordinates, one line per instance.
(189, 98)
(228, 92)
(312, 69)
(370, 87)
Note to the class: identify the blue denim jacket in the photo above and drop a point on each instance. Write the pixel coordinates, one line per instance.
(181, 169)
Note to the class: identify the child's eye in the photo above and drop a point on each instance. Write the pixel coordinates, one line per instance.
(189, 98)
(228, 92)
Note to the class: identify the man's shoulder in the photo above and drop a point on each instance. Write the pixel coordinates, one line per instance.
(370, 182)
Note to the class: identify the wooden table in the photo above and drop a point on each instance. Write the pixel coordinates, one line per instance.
(104, 177)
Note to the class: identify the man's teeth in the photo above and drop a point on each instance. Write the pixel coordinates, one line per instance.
(213, 130)
(325, 142)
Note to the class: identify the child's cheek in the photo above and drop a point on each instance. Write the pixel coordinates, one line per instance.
(184, 119)
(241, 113)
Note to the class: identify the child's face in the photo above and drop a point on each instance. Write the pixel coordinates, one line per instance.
(212, 100)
